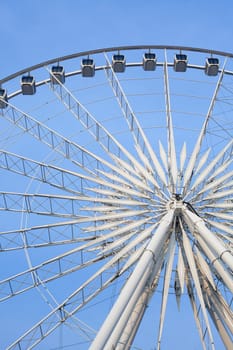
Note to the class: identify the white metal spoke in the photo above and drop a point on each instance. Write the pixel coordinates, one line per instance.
(197, 314)
(225, 204)
(192, 162)
(73, 260)
(226, 228)
(52, 175)
(46, 272)
(62, 206)
(98, 131)
(179, 278)
(72, 304)
(57, 205)
(123, 189)
(65, 147)
(183, 155)
(172, 166)
(47, 325)
(44, 235)
(210, 167)
(215, 184)
(220, 215)
(218, 303)
(54, 140)
(140, 138)
(121, 202)
(202, 161)
(141, 172)
(228, 184)
(219, 195)
(56, 176)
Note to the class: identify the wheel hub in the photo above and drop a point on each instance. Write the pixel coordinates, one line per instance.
(176, 202)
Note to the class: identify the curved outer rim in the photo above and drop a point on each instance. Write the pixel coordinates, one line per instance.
(70, 74)
(110, 49)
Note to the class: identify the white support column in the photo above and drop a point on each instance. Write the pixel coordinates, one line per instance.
(225, 275)
(221, 329)
(141, 272)
(196, 223)
(115, 339)
(126, 340)
(125, 330)
(218, 313)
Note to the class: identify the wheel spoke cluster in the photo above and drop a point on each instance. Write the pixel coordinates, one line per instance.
(152, 215)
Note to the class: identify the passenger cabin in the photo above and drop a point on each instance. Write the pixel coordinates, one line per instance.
(118, 63)
(180, 62)
(88, 67)
(28, 85)
(149, 61)
(212, 66)
(3, 98)
(57, 75)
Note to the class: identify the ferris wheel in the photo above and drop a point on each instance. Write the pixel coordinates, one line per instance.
(117, 197)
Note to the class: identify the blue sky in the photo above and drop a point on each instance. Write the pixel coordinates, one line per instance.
(37, 30)
(33, 31)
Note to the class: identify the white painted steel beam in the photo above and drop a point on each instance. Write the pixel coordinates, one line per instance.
(219, 312)
(113, 340)
(216, 263)
(133, 313)
(166, 285)
(197, 224)
(141, 272)
(197, 283)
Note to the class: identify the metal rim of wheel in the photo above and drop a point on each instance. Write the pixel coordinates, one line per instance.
(117, 186)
